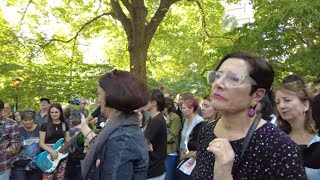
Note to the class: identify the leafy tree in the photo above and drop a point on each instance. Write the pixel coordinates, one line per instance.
(286, 32)
(171, 41)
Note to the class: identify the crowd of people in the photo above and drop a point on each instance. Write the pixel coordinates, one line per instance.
(246, 129)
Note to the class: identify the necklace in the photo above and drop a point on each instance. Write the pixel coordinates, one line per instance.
(30, 135)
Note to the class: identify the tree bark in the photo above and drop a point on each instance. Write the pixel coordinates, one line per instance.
(139, 32)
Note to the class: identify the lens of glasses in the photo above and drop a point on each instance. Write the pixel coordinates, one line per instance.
(211, 77)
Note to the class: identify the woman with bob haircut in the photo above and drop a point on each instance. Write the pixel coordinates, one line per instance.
(295, 118)
(120, 150)
(241, 145)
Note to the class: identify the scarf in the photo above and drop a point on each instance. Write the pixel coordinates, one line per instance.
(187, 130)
(97, 146)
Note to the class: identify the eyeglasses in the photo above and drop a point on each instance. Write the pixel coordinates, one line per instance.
(230, 78)
(112, 73)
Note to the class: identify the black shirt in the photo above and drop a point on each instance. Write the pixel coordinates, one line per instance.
(54, 133)
(156, 133)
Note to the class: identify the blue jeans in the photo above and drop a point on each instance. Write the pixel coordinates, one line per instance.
(171, 165)
(4, 175)
(19, 173)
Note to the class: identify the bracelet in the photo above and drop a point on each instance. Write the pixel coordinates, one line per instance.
(87, 134)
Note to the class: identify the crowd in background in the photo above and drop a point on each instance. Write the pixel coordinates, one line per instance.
(245, 129)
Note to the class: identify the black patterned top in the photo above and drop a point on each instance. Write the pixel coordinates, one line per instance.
(271, 154)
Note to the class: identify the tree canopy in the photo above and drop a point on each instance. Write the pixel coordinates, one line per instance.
(285, 32)
(169, 41)
(60, 48)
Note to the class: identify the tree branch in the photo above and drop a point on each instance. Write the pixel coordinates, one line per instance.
(204, 23)
(127, 4)
(300, 37)
(78, 32)
(119, 14)
(97, 11)
(158, 18)
(24, 13)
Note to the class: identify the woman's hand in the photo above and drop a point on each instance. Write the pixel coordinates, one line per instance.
(94, 121)
(191, 154)
(54, 154)
(83, 123)
(182, 156)
(72, 150)
(150, 147)
(223, 152)
(97, 162)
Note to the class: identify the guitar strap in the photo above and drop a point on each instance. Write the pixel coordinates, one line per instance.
(63, 127)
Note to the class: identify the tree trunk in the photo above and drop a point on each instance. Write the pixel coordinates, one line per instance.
(139, 32)
(138, 47)
(138, 58)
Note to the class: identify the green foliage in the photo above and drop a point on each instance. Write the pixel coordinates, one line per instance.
(284, 32)
(45, 45)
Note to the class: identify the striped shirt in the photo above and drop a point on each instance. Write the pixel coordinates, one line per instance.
(9, 138)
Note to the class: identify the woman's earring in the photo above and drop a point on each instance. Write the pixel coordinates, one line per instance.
(252, 111)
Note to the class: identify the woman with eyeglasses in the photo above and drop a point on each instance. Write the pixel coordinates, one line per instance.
(241, 145)
(29, 138)
(120, 150)
(295, 118)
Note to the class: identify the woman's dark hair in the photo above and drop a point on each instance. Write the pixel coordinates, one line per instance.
(28, 114)
(123, 91)
(259, 69)
(14, 115)
(267, 106)
(169, 104)
(58, 106)
(1, 105)
(207, 97)
(304, 95)
(49, 119)
(316, 111)
(157, 95)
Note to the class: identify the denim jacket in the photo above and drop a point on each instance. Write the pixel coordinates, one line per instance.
(124, 156)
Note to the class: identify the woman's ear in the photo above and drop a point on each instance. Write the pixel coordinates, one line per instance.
(258, 95)
(306, 105)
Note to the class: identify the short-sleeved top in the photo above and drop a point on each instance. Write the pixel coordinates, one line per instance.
(29, 142)
(39, 120)
(29, 148)
(56, 132)
(156, 133)
(271, 154)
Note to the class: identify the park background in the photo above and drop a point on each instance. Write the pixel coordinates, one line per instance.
(58, 49)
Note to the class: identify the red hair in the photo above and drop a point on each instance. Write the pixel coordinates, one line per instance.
(192, 103)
